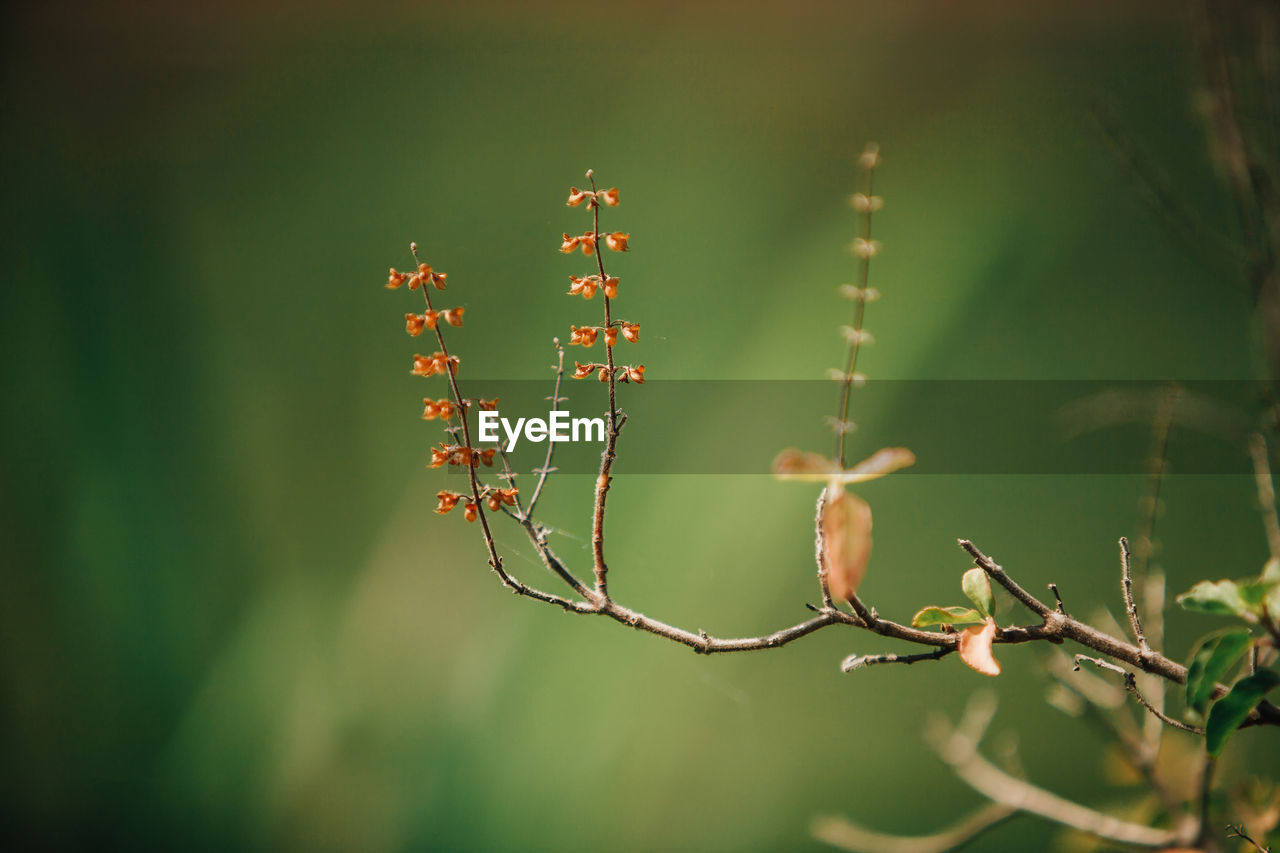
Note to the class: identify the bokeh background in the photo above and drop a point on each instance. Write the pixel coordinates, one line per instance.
(229, 619)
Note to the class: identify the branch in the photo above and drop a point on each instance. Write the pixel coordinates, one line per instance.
(839, 832)
(1131, 685)
(1126, 587)
(958, 748)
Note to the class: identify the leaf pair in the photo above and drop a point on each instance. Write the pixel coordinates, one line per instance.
(974, 642)
(1250, 599)
(1213, 658)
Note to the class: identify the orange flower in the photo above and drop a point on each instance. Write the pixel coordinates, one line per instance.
(453, 316)
(489, 405)
(501, 496)
(585, 336)
(430, 318)
(610, 336)
(440, 455)
(424, 365)
(603, 375)
(395, 279)
(617, 241)
(414, 323)
(611, 287)
(448, 500)
(588, 243)
(576, 197)
(432, 409)
(609, 197)
(470, 510)
(636, 374)
(569, 244)
(486, 456)
(582, 371)
(586, 286)
(631, 331)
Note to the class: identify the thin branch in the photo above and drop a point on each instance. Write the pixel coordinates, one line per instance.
(841, 833)
(1131, 685)
(1126, 586)
(960, 751)
(610, 451)
(546, 468)
(1266, 492)
(1057, 597)
(853, 662)
(1234, 831)
(998, 575)
(870, 159)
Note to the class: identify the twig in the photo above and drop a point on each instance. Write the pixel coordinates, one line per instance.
(853, 662)
(1237, 831)
(546, 468)
(1057, 597)
(1266, 492)
(870, 159)
(1126, 585)
(1131, 685)
(610, 451)
(998, 575)
(841, 833)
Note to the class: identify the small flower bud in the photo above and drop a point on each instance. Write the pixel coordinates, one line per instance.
(470, 510)
(414, 323)
(870, 156)
(610, 336)
(866, 249)
(617, 241)
(603, 374)
(611, 287)
(864, 203)
(857, 336)
(610, 197)
(395, 279)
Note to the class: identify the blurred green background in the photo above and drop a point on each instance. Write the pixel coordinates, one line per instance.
(229, 618)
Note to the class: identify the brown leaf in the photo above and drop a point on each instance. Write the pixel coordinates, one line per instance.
(975, 648)
(846, 525)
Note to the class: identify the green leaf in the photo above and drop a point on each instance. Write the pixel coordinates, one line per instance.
(1210, 662)
(933, 615)
(1222, 599)
(1232, 710)
(977, 586)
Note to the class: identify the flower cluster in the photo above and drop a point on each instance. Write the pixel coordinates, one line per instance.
(424, 275)
(586, 335)
(437, 362)
(443, 409)
(457, 454)
(586, 286)
(415, 323)
(592, 197)
(623, 372)
(494, 498)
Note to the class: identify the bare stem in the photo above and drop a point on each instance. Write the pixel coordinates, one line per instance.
(870, 158)
(1126, 586)
(841, 833)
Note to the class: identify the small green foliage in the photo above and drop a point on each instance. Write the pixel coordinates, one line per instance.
(1232, 710)
(933, 615)
(1222, 598)
(977, 586)
(1213, 657)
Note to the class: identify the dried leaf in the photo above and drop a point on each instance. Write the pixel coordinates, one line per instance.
(846, 525)
(975, 648)
(797, 465)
